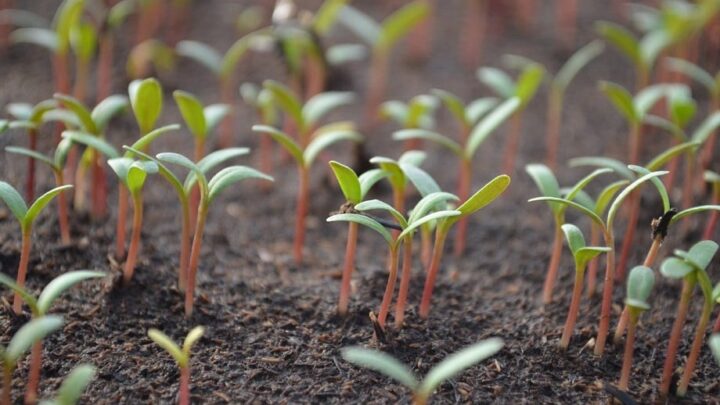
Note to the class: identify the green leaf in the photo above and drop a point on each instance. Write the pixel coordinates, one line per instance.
(337, 55)
(528, 83)
(447, 215)
(658, 122)
(192, 337)
(92, 141)
(662, 159)
(423, 182)
(325, 139)
(675, 268)
(478, 108)
(394, 110)
(589, 213)
(42, 37)
(171, 347)
(652, 45)
(382, 363)
(145, 141)
(119, 13)
(164, 172)
(213, 159)
(432, 201)
(326, 15)
(453, 104)
(321, 104)
(33, 331)
(368, 179)
(69, 119)
(180, 160)
(702, 253)
(584, 255)
(146, 100)
(580, 185)
(693, 71)
(607, 194)
(20, 111)
(32, 154)
(284, 140)
(203, 54)
(577, 61)
(121, 167)
(659, 186)
(107, 109)
(646, 98)
(707, 128)
(40, 204)
(399, 23)
(487, 194)
(381, 205)
(192, 112)
(694, 210)
(360, 24)
(66, 18)
(546, 182)
(458, 362)
(231, 175)
(500, 82)
(79, 109)
(412, 157)
(574, 237)
(615, 206)
(286, 101)
(237, 51)
(75, 384)
(416, 133)
(61, 283)
(214, 114)
(714, 343)
(614, 164)
(621, 99)
(348, 181)
(490, 123)
(366, 221)
(23, 293)
(622, 39)
(640, 283)
(83, 39)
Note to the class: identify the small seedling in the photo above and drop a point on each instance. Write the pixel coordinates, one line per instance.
(148, 57)
(523, 88)
(582, 255)
(639, 286)
(354, 188)
(73, 386)
(415, 114)
(83, 42)
(209, 190)
(39, 307)
(690, 267)
(24, 338)
(261, 100)
(441, 372)
(181, 355)
(26, 217)
(199, 119)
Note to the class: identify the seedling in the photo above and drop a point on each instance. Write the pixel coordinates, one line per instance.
(523, 88)
(382, 38)
(608, 232)
(25, 216)
(424, 212)
(441, 372)
(582, 255)
(73, 385)
(223, 67)
(639, 286)
(548, 185)
(112, 20)
(714, 179)
(477, 121)
(146, 100)
(690, 267)
(416, 113)
(150, 56)
(558, 85)
(83, 42)
(261, 100)
(181, 355)
(484, 196)
(209, 190)
(39, 307)
(354, 188)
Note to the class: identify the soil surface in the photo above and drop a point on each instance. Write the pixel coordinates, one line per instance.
(272, 332)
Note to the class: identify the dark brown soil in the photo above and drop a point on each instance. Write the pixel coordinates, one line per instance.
(272, 333)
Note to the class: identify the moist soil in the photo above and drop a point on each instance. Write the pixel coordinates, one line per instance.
(272, 333)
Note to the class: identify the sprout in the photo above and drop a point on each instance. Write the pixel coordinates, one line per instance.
(690, 267)
(209, 190)
(416, 113)
(477, 121)
(524, 88)
(382, 38)
(714, 179)
(39, 307)
(261, 100)
(441, 372)
(73, 385)
(639, 286)
(26, 217)
(30, 333)
(582, 255)
(181, 355)
(354, 188)
(148, 56)
(146, 99)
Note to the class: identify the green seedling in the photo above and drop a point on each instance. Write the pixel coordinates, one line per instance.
(582, 255)
(26, 217)
(424, 212)
(262, 102)
(415, 114)
(30, 117)
(133, 174)
(714, 179)
(146, 100)
(382, 38)
(548, 185)
(484, 196)
(39, 307)
(209, 191)
(690, 267)
(29, 334)
(83, 42)
(181, 355)
(441, 372)
(639, 287)
(714, 343)
(73, 385)
(150, 56)
(607, 228)
(206, 164)
(523, 88)
(477, 121)
(354, 189)
(223, 67)
(558, 85)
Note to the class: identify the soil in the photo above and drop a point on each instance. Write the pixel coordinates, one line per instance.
(272, 332)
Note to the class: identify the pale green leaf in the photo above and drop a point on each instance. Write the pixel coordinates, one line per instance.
(615, 206)
(659, 186)
(676, 268)
(707, 128)
(490, 123)
(607, 194)
(598, 161)
(500, 82)
(399, 24)
(321, 104)
(574, 238)
(32, 154)
(93, 142)
(231, 175)
(589, 213)
(478, 108)
(42, 37)
(61, 283)
(107, 109)
(337, 55)
(75, 384)
(640, 283)
(80, 110)
(433, 201)
(348, 181)
(23, 293)
(666, 156)
(33, 331)
(584, 255)
(286, 101)
(580, 185)
(546, 182)
(191, 110)
(382, 363)
(284, 140)
(577, 61)
(145, 141)
(421, 180)
(371, 205)
(360, 24)
(368, 179)
(41, 202)
(169, 346)
(417, 133)
(365, 221)
(201, 53)
(192, 337)
(214, 114)
(621, 99)
(692, 71)
(324, 140)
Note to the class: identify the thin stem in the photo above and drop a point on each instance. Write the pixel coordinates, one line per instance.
(440, 236)
(104, 66)
(195, 258)
(554, 118)
(7, 385)
(634, 144)
(22, 268)
(227, 95)
(82, 69)
(390, 287)
(121, 219)
(34, 373)
(301, 213)
(99, 187)
(629, 234)
(512, 142)
(714, 216)
(348, 268)
(594, 262)
(184, 386)
(404, 282)
(606, 305)
(420, 40)
(628, 355)
(62, 210)
(30, 185)
(676, 335)
(376, 85)
(195, 192)
(135, 239)
(184, 246)
(695, 349)
(463, 193)
(552, 270)
(566, 17)
(473, 32)
(425, 246)
(80, 202)
(574, 308)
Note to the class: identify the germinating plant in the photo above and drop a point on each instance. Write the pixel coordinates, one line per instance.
(30, 333)
(181, 355)
(39, 307)
(26, 217)
(441, 372)
(639, 287)
(73, 385)
(416, 113)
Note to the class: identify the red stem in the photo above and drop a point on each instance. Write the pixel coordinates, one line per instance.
(22, 268)
(376, 86)
(432, 272)
(606, 305)
(30, 185)
(594, 263)
(628, 356)
(135, 238)
(404, 283)
(34, 373)
(315, 74)
(464, 182)
(81, 75)
(195, 192)
(574, 309)
(104, 67)
(390, 287)
(512, 143)
(194, 259)
(675, 336)
(425, 246)
(554, 114)
(99, 188)
(348, 268)
(552, 269)
(566, 17)
(121, 219)
(227, 96)
(629, 234)
(420, 40)
(184, 386)
(184, 247)
(7, 385)
(301, 213)
(62, 210)
(473, 33)
(695, 349)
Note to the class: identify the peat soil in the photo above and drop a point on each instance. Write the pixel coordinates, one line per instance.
(272, 332)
